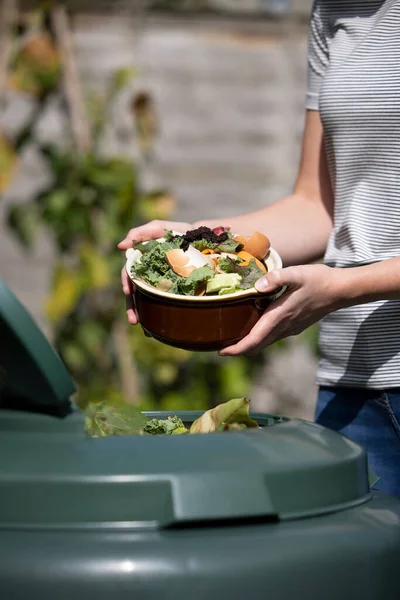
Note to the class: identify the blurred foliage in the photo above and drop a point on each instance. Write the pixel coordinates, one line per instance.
(88, 208)
(90, 204)
(35, 67)
(8, 162)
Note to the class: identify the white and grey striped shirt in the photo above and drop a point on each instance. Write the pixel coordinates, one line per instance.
(354, 81)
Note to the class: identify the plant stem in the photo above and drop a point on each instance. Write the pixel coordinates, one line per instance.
(126, 364)
(8, 14)
(79, 121)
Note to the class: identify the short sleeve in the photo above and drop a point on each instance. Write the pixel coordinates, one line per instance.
(318, 54)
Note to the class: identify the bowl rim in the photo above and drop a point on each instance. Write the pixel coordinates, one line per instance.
(272, 261)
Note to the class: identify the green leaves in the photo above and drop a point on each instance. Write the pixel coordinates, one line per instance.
(105, 420)
(8, 163)
(153, 264)
(202, 245)
(189, 285)
(145, 247)
(229, 246)
(235, 412)
(172, 425)
(249, 274)
(87, 208)
(24, 221)
(120, 419)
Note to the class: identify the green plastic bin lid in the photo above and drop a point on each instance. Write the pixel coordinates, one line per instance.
(31, 372)
(55, 476)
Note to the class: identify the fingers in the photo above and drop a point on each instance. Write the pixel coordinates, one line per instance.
(126, 283)
(290, 277)
(128, 290)
(131, 311)
(261, 336)
(152, 230)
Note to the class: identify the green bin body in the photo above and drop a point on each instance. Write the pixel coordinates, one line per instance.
(277, 513)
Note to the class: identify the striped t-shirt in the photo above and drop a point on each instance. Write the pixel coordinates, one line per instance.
(354, 81)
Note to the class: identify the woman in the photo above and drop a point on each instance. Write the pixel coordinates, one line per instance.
(345, 206)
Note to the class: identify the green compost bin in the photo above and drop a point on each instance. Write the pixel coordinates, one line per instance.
(278, 513)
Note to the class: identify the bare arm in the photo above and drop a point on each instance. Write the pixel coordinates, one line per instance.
(298, 225)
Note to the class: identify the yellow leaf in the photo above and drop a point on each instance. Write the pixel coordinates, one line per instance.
(65, 293)
(8, 163)
(95, 270)
(159, 207)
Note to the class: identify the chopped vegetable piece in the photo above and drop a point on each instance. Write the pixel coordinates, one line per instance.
(189, 285)
(223, 281)
(249, 274)
(235, 411)
(163, 427)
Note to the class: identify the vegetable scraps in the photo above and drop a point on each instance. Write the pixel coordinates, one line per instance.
(103, 420)
(200, 262)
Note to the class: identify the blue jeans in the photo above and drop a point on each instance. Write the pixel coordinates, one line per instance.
(372, 419)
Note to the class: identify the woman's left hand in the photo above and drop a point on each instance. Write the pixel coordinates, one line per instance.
(312, 292)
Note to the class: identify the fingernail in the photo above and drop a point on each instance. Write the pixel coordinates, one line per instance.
(262, 284)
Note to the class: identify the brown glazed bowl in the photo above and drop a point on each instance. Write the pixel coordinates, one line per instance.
(201, 324)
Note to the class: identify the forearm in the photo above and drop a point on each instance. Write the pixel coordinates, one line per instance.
(298, 228)
(360, 285)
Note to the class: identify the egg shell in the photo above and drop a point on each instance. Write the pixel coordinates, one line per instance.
(258, 245)
(132, 257)
(179, 262)
(247, 257)
(197, 258)
(241, 239)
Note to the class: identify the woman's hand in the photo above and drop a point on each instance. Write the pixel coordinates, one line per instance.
(152, 230)
(313, 291)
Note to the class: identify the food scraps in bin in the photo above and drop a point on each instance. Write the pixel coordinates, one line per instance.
(103, 420)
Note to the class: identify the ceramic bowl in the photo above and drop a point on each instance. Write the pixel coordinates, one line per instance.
(201, 324)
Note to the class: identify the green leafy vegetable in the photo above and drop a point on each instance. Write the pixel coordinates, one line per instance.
(121, 419)
(228, 246)
(228, 290)
(203, 245)
(189, 285)
(145, 246)
(170, 236)
(153, 265)
(249, 274)
(165, 426)
(180, 431)
(234, 412)
(103, 420)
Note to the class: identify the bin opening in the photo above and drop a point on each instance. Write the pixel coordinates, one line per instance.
(221, 523)
(19, 404)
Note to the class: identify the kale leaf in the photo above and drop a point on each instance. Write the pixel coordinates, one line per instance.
(145, 247)
(164, 426)
(153, 265)
(189, 285)
(250, 273)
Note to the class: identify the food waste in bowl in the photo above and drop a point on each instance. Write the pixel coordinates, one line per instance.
(200, 323)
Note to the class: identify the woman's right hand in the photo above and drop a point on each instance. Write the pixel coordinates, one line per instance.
(152, 230)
